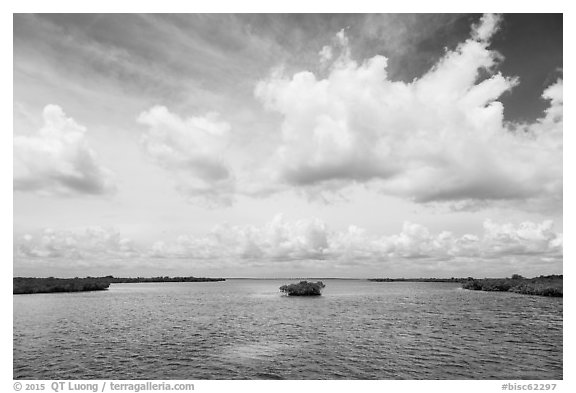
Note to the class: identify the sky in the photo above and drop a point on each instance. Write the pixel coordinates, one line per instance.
(288, 145)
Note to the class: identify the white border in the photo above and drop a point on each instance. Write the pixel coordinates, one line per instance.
(307, 6)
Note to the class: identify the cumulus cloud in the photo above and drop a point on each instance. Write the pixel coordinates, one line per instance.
(527, 238)
(416, 242)
(441, 138)
(57, 159)
(488, 25)
(90, 243)
(279, 240)
(193, 150)
(282, 240)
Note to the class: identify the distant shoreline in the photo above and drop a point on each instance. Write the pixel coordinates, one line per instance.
(31, 285)
(551, 285)
(128, 280)
(457, 280)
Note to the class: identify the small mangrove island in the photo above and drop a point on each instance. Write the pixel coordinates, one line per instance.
(551, 285)
(303, 288)
(28, 285)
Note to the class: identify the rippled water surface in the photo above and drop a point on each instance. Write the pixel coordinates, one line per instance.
(246, 329)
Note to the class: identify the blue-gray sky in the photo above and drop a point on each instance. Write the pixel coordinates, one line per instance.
(297, 145)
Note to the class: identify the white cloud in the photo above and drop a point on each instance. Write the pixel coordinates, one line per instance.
(527, 238)
(193, 150)
(488, 25)
(58, 160)
(325, 54)
(441, 138)
(309, 240)
(278, 240)
(90, 243)
(416, 242)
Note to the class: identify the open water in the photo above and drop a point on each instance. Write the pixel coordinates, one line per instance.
(245, 329)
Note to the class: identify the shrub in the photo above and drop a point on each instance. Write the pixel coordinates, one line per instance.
(303, 288)
(542, 286)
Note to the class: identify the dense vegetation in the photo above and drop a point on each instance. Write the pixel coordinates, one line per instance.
(24, 285)
(303, 288)
(543, 286)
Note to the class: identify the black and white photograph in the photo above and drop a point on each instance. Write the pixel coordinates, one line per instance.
(287, 196)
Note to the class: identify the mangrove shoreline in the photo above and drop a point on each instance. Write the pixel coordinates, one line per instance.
(551, 285)
(29, 285)
(541, 286)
